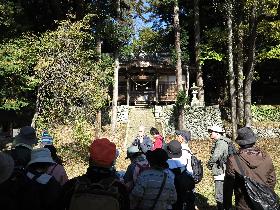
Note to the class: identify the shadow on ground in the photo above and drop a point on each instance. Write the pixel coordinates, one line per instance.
(202, 203)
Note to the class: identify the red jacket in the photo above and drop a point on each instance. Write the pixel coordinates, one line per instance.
(158, 139)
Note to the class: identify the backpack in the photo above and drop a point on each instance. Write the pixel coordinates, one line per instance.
(41, 196)
(197, 168)
(231, 151)
(95, 195)
(183, 181)
(139, 168)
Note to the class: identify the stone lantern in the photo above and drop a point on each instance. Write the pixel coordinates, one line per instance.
(195, 101)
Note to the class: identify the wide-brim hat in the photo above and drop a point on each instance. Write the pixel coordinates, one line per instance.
(6, 166)
(174, 149)
(157, 157)
(41, 155)
(216, 128)
(245, 136)
(27, 135)
(185, 134)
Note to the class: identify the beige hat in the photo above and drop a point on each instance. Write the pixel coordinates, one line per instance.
(6, 166)
(41, 155)
(216, 128)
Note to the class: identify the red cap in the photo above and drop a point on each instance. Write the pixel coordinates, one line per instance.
(103, 152)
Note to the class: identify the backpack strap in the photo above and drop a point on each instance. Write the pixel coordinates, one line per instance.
(160, 191)
(51, 172)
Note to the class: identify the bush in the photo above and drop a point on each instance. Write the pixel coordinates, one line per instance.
(266, 113)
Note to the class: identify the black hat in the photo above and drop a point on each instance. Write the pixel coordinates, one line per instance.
(245, 136)
(157, 157)
(174, 149)
(185, 134)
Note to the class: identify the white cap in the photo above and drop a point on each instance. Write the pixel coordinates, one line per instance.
(216, 128)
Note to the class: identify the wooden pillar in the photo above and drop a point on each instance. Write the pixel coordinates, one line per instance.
(157, 88)
(128, 90)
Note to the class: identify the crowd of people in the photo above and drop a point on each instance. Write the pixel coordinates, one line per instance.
(160, 176)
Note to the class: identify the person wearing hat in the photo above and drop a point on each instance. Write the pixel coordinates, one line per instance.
(218, 152)
(41, 190)
(138, 164)
(56, 170)
(24, 143)
(8, 195)
(102, 156)
(255, 163)
(154, 188)
(46, 139)
(184, 183)
(184, 137)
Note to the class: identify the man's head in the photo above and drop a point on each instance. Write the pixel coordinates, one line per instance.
(103, 152)
(245, 137)
(216, 132)
(174, 149)
(183, 136)
(133, 152)
(141, 131)
(26, 137)
(157, 158)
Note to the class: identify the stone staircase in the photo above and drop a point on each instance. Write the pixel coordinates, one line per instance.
(139, 116)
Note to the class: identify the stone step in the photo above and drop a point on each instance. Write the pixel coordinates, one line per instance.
(139, 116)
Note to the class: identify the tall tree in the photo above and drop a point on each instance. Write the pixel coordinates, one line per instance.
(179, 74)
(199, 74)
(231, 74)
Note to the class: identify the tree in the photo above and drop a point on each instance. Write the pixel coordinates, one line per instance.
(17, 78)
(72, 83)
(199, 74)
(231, 74)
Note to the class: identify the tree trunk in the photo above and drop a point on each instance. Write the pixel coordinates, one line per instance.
(230, 70)
(239, 59)
(240, 88)
(199, 78)
(115, 93)
(250, 66)
(98, 114)
(176, 26)
(38, 107)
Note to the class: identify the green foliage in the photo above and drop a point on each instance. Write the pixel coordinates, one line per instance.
(73, 83)
(266, 113)
(181, 99)
(209, 54)
(83, 135)
(18, 82)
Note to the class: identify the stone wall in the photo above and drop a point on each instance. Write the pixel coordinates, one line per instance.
(198, 119)
(122, 113)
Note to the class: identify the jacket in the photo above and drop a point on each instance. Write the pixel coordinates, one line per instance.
(257, 165)
(218, 151)
(158, 142)
(147, 187)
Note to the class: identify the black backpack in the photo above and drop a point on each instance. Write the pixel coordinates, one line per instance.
(183, 181)
(197, 168)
